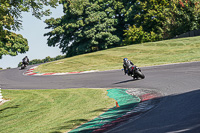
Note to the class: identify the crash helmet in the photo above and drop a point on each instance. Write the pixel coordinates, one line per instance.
(125, 59)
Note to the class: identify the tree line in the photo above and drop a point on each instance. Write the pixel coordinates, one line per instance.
(92, 25)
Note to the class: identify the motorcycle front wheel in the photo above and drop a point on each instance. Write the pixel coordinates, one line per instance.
(23, 66)
(140, 74)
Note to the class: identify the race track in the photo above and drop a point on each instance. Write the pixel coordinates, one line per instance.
(179, 110)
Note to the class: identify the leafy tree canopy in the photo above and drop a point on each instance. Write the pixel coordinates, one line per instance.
(10, 20)
(90, 25)
(182, 16)
(156, 20)
(87, 25)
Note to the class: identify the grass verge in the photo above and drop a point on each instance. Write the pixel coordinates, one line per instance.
(146, 54)
(51, 110)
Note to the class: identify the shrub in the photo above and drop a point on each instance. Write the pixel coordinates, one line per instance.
(136, 35)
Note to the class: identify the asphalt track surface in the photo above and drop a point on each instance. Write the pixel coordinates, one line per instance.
(178, 111)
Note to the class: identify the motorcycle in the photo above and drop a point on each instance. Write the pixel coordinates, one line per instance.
(135, 72)
(23, 66)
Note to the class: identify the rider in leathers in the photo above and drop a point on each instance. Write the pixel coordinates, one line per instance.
(25, 61)
(127, 66)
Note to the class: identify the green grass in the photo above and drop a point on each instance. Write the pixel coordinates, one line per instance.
(146, 54)
(34, 111)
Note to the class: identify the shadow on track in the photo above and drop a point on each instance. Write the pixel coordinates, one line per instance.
(131, 80)
(178, 113)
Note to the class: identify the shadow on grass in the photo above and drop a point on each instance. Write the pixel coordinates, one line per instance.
(178, 113)
(105, 118)
(89, 126)
(100, 110)
(7, 116)
(183, 117)
(13, 107)
(70, 124)
(7, 108)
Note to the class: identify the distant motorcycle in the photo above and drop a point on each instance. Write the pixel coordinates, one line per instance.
(25, 62)
(135, 72)
(23, 66)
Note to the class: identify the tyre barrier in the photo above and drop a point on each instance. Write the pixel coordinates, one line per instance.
(1, 97)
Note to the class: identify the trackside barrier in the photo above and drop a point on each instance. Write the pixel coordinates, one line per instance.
(189, 34)
(1, 97)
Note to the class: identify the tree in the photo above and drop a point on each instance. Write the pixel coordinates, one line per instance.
(136, 35)
(88, 25)
(145, 18)
(10, 20)
(91, 25)
(182, 16)
(166, 18)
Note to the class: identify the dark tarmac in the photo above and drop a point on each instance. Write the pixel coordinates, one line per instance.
(179, 111)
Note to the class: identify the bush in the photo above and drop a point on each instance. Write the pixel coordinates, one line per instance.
(136, 35)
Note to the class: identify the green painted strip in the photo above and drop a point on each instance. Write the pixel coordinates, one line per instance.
(126, 102)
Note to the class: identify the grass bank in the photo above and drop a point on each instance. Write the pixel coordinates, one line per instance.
(146, 54)
(51, 110)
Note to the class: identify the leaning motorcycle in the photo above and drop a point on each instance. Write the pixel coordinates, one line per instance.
(136, 72)
(23, 66)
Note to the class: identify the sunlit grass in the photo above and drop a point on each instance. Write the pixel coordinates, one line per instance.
(44, 111)
(146, 54)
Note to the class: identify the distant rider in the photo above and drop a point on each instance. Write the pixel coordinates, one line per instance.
(25, 61)
(127, 66)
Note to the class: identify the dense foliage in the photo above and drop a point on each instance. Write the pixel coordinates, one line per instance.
(90, 25)
(156, 20)
(182, 16)
(86, 26)
(10, 20)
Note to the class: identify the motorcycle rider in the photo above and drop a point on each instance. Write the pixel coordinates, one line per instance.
(127, 66)
(25, 61)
